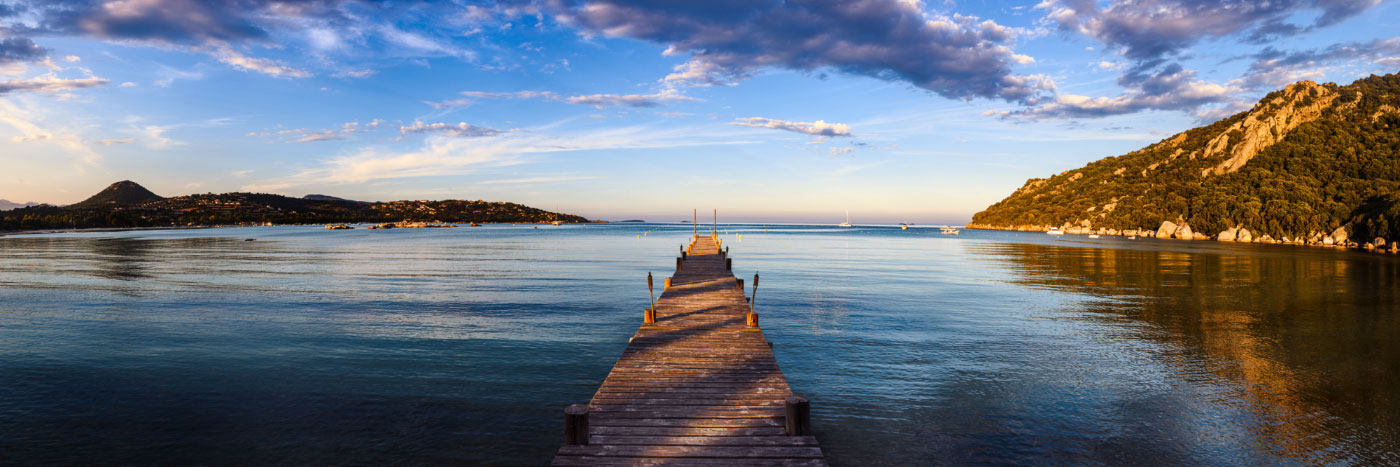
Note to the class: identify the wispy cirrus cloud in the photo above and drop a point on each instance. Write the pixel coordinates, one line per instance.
(460, 130)
(303, 135)
(817, 128)
(656, 99)
(443, 155)
(49, 84)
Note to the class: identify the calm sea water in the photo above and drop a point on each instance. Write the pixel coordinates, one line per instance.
(307, 346)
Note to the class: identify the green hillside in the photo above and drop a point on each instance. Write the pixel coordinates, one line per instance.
(1317, 164)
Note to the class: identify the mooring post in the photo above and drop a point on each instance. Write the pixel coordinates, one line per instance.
(649, 316)
(576, 425)
(678, 264)
(754, 296)
(799, 415)
(751, 319)
(667, 284)
(740, 283)
(728, 264)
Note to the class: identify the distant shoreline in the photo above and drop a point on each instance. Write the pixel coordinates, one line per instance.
(4, 233)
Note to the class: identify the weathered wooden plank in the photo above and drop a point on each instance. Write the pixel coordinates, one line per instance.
(707, 440)
(669, 431)
(690, 422)
(697, 461)
(789, 452)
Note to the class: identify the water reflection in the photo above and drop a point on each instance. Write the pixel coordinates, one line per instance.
(1305, 339)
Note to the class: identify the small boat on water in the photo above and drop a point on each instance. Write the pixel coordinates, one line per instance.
(949, 230)
(848, 220)
(903, 226)
(1054, 231)
(1093, 235)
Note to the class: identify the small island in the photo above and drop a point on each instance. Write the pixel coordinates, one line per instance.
(126, 204)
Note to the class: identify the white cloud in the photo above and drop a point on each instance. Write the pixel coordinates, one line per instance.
(30, 129)
(461, 129)
(445, 155)
(449, 104)
(817, 128)
(595, 100)
(261, 65)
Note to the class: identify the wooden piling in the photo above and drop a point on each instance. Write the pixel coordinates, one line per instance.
(751, 319)
(576, 429)
(798, 415)
(649, 316)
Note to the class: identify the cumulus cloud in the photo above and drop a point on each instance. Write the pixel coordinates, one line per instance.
(894, 40)
(817, 128)
(461, 129)
(1152, 29)
(20, 49)
(49, 84)
(1172, 88)
(1273, 68)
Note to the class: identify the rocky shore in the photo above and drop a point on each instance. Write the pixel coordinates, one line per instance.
(1337, 238)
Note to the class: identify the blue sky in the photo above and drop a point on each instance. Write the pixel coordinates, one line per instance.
(767, 110)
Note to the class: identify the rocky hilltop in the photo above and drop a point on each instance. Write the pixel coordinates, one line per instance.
(1315, 164)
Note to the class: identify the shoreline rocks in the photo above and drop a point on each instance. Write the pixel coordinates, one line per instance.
(1338, 238)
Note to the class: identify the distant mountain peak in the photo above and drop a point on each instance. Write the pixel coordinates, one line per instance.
(123, 192)
(6, 205)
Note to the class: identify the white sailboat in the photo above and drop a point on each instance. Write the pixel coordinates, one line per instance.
(848, 220)
(949, 230)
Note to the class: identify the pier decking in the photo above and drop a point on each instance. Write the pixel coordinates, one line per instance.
(699, 386)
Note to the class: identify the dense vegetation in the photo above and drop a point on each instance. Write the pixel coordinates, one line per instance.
(1336, 166)
(107, 210)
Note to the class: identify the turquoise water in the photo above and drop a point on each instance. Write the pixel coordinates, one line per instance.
(308, 346)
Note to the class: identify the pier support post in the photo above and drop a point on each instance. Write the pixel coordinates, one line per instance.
(649, 316)
(678, 264)
(751, 319)
(576, 425)
(799, 416)
(667, 285)
(728, 264)
(739, 282)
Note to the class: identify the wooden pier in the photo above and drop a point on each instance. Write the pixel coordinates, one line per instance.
(697, 385)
